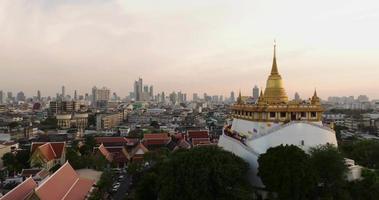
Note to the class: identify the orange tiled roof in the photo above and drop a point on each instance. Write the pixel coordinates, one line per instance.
(198, 134)
(64, 184)
(22, 191)
(102, 140)
(200, 141)
(139, 146)
(156, 136)
(105, 153)
(49, 149)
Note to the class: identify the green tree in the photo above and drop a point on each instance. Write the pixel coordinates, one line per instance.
(10, 161)
(203, 173)
(365, 153)
(367, 188)
(148, 187)
(23, 158)
(287, 171)
(74, 159)
(330, 170)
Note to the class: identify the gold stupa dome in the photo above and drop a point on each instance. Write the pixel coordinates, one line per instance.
(275, 92)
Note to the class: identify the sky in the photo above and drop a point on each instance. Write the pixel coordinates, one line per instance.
(213, 46)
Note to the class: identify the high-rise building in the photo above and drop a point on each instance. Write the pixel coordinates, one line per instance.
(10, 97)
(39, 95)
(297, 96)
(255, 92)
(75, 95)
(195, 97)
(1, 97)
(21, 96)
(138, 90)
(63, 92)
(232, 97)
(163, 98)
(151, 92)
(100, 97)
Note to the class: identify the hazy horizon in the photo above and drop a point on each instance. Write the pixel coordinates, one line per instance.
(213, 46)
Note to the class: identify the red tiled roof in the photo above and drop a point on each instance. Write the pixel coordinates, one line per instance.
(57, 149)
(198, 141)
(47, 151)
(138, 147)
(105, 153)
(102, 140)
(22, 191)
(65, 183)
(156, 136)
(79, 190)
(198, 134)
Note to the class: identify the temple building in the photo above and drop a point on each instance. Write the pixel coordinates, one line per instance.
(274, 120)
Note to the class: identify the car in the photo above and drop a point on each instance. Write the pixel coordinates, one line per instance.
(120, 177)
(117, 184)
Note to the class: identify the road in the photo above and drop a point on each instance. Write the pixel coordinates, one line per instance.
(123, 189)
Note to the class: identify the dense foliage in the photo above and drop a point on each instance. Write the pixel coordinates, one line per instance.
(198, 173)
(292, 174)
(17, 161)
(287, 170)
(364, 152)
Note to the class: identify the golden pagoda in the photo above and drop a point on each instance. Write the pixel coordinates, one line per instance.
(273, 104)
(275, 92)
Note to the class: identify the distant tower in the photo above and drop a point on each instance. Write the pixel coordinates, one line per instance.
(75, 95)
(232, 97)
(39, 95)
(63, 92)
(1, 97)
(151, 91)
(297, 97)
(255, 92)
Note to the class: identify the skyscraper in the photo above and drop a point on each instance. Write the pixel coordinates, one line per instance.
(195, 97)
(255, 92)
(63, 92)
(138, 90)
(75, 95)
(232, 97)
(1, 97)
(151, 92)
(297, 96)
(39, 95)
(21, 96)
(100, 97)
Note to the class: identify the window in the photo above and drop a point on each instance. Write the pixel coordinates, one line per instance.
(303, 115)
(302, 142)
(272, 115)
(283, 114)
(313, 114)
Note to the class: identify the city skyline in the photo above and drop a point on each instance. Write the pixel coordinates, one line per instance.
(196, 47)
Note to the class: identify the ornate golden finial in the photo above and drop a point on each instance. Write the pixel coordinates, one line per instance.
(315, 93)
(274, 69)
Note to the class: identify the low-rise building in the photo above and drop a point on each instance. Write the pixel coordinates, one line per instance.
(108, 120)
(75, 120)
(64, 184)
(47, 155)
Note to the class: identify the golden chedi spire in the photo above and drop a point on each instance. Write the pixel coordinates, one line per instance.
(274, 92)
(315, 99)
